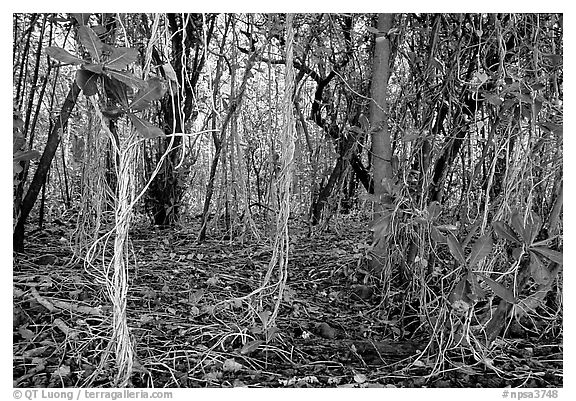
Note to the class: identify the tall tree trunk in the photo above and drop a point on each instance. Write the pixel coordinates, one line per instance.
(381, 145)
(234, 105)
(44, 166)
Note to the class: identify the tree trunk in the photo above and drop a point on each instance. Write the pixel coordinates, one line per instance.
(381, 145)
(44, 166)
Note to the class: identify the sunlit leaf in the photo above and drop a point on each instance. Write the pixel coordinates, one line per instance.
(63, 55)
(169, 72)
(128, 78)
(250, 347)
(90, 41)
(230, 365)
(121, 57)
(144, 128)
(95, 68)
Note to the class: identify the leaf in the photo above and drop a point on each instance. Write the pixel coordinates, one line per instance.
(481, 248)
(518, 226)
(144, 128)
(121, 57)
(434, 210)
(128, 78)
(169, 71)
(500, 290)
(86, 80)
(504, 231)
(116, 90)
(539, 272)
(455, 248)
(62, 371)
(95, 68)
(82, 18)
(552, 127)
(250, 347)
(476, 292)
(18, 123)
(26, 334)
(532, 228)
(63, 55)
(437, 236)
(26, 156)
(381, 226)
(90, 41)
(154, 90)
(554, 256)
(460, 292)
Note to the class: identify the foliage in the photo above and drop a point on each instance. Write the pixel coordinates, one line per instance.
(109, 63)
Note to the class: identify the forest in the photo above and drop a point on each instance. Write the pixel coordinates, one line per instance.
(287, 200)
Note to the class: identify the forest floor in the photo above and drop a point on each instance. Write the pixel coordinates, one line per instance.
(192, 328)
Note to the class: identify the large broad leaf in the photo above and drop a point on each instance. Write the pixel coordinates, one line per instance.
(82, 18)
(455, 248)
(554, 256)
(26, 156)
(504, 231)
(128, 78)
(532, 227)
(144, 128)
(121, 57)
(538, 270)
(86, 80)
(154, 90)
(519, 226)
(63, 56)
(481, 248)
(91, 42)
(95, 68)
(500, 290)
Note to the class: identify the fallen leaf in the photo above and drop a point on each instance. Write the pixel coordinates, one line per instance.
(230, 365)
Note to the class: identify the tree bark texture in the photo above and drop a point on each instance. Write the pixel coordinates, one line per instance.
(39, 178)
(381, 145)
